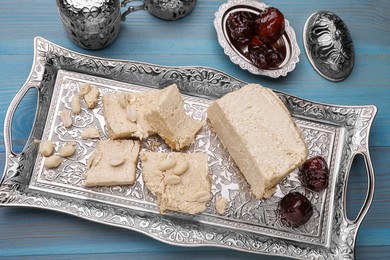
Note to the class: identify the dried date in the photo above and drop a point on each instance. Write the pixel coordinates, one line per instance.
(296, 209)
(269, 25)
(240, 25)
(315, 173)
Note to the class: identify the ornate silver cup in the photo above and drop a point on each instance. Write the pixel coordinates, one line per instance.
(95, 24)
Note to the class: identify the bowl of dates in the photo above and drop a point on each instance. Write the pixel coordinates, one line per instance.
(257, 37)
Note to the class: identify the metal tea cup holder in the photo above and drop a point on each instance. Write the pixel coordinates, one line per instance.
(95, 24)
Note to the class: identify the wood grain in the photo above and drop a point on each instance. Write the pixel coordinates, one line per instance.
(192, 41)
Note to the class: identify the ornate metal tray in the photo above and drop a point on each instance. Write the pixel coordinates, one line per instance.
(336, 132)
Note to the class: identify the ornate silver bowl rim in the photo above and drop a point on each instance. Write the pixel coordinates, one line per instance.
(289, 37)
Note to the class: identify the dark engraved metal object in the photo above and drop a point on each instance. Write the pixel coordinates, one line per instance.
(329, 46)
(164, 9)
(95, 24)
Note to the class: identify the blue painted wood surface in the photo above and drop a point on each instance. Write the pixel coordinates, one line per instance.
(192, 41)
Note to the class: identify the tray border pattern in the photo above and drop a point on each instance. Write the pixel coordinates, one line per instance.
(205, 82)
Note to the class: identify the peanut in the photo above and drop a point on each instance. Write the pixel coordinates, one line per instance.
(52, 161)
(76, 107)
(90, 133)
(202, 196)
(67, 150)
(171, 180)
(181, 167)
(117, 160)
(122, 99)
(166, 164)
(84, 89)
(131, 113)
(65, 118)
(47, 148)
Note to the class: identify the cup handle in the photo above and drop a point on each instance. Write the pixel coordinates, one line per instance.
(132, 8)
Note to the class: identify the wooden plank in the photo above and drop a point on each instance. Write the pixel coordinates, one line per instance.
(50, 233)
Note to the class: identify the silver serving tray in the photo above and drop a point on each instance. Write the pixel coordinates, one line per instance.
(338, 133)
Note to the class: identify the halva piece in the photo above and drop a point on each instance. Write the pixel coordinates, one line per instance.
(260, 135)
(113, 163)
(142, 114)
(168, 119)
(180, 181)
(124, 113)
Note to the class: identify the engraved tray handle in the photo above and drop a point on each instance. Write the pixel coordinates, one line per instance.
(40, 78)
(370, 191)
(344, 242)
(359, 140)
(364, 152)
(16, 176)
(9, 117)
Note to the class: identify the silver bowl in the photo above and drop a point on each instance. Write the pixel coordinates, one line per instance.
(288, 39)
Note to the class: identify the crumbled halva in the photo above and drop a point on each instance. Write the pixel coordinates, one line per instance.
(168, 119)
(221, 205)
(152, 112)
(125, 114)
(188, 191)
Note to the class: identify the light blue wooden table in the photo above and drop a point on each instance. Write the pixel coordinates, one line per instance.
(192, 41)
